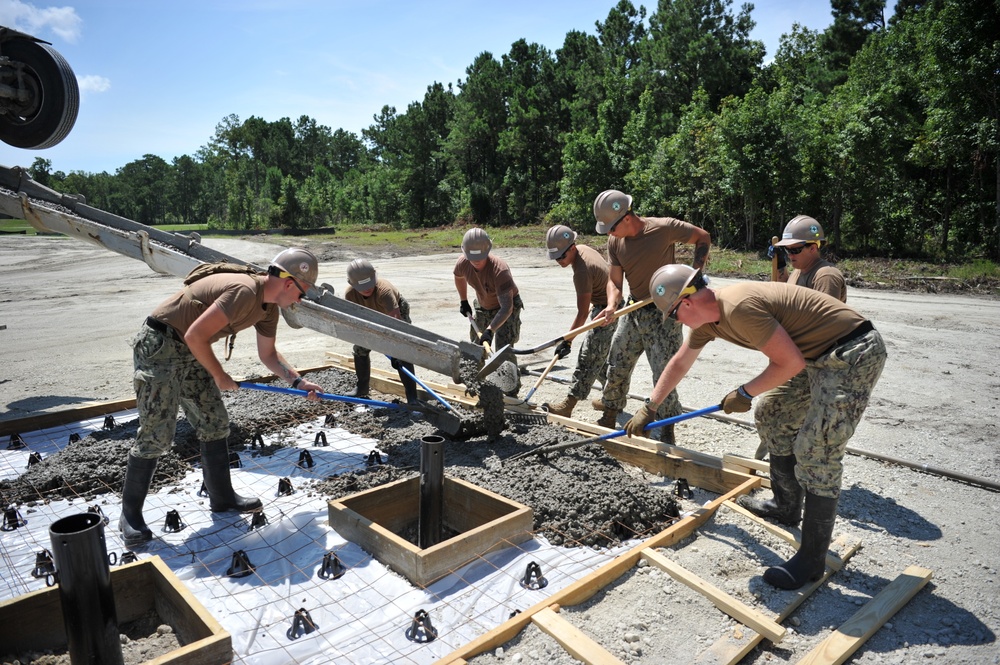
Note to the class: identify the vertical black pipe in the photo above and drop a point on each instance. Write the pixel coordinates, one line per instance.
(431, 489)
(80, 554)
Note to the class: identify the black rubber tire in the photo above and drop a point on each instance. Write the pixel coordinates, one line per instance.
(48, 117)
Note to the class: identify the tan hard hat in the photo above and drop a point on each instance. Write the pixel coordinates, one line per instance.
(801, 228)
(668, 284)
(298, 263)
(610, 207)
(559, 239)
(476, 245)
(361, 274)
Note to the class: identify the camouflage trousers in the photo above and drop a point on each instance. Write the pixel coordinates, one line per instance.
(509, 333)
(813, 415)
(638, 331)
(404, 313)
(592, 361)
(166, 377)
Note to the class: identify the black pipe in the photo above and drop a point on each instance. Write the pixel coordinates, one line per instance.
(431, 489)
(80, 554)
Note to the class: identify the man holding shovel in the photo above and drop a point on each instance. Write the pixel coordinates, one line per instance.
(800, 331)
(175, 366)
(368, 290)
(498, 304)
(637, 246)
(590, 278)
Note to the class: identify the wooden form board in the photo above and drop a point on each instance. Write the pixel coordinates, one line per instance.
(843, 642)
(572, 639)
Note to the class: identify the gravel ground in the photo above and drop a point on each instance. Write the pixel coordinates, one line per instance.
(69, 310)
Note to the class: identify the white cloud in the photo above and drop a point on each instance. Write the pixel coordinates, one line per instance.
(63, 21)
(93, 83)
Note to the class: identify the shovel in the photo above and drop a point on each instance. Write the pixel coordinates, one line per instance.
(594, 323)
(494, 359)
(446, 422)
(566, 445)
(552, 363)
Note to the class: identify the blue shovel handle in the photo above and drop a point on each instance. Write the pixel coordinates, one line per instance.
(329, 396)
(424, 386)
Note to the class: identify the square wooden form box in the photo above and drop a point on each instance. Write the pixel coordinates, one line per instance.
(484, 522)
(138, 587)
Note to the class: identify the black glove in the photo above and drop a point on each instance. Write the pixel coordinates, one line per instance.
(486, 337)
(645, 415)
(563, 349)
(737, 401)
(465, 308)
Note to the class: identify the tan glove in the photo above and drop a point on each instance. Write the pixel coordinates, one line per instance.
(738, 401)
(645, 415)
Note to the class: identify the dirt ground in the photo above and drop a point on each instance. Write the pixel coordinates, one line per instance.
(70, 309)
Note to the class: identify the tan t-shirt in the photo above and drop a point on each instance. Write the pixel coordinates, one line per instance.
(494, 278)
(240, 297)
(823, 277)
(750, 312)
(590, 275)
(641, 255)
(384, 299)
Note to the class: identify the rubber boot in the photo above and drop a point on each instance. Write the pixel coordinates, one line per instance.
(363, 369)
(409, 385)
(786, 506)
(565, 407)
(667, 435)
(138, 476)
(609, 419)
(218, 482)
(809, 563)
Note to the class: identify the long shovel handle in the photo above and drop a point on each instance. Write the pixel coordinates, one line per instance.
(613, 435)
(552, 363)
(330, 396)
(425, 387)
(575, 332)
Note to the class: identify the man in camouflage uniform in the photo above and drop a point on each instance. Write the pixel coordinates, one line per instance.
(590, 278)
(175, 366)
(498, 303)
(637, 246)
(377, 294)
(799, 330)
(800, 242)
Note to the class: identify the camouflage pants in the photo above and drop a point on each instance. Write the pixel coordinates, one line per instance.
(815, 414)
(638, 331)
(166, 377)
(404, 313)
(592, 360)
(509, 333)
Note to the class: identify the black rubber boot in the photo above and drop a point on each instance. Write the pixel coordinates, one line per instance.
(363, 368)
(809, 563)
(409, 385)
(786, 506)
(138, 476)
(667, 435)
(215, 469)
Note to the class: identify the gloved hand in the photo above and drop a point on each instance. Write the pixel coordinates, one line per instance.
(486, 337)
(645, 415)
(465, 308)
(738, 401)
(563, 349)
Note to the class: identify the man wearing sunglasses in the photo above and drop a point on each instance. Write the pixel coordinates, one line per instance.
(637, 246)
(801, 241)
(175, 366)
(590, 279)
(800, 331)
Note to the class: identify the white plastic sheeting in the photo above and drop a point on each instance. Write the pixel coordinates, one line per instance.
(362, 617)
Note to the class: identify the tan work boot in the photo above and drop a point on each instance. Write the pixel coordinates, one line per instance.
(597, 403)
(609, 419)
(565, 407)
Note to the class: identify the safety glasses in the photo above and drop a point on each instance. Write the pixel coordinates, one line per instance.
(283, 274)
(698, 283)
(795, 251)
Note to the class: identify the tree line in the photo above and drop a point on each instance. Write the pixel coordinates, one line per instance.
(886, 130)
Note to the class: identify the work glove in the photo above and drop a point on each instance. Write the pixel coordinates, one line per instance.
(645, 415)
(465, 308)
(563, 349)
(737, 401)
(486, 337)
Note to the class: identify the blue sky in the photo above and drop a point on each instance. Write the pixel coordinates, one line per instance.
(157, 77)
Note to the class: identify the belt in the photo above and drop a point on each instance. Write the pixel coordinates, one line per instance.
(163, 329)
(862, 329)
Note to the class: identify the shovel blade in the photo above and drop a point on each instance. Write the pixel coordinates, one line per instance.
(445, 421)
(493, 363)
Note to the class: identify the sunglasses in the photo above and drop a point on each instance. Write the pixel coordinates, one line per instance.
(278, 272)
(699, 283)
(794, 251)
(563, 255)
